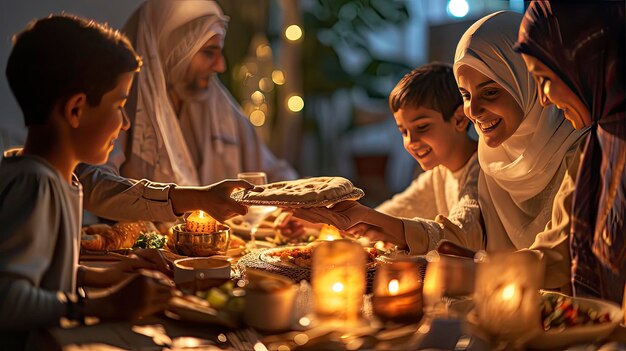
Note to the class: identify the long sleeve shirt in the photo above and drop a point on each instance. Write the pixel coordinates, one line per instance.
(39, 245)
(440, 204)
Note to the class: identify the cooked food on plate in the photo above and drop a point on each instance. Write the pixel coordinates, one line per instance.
(302, 256)
(560, 311)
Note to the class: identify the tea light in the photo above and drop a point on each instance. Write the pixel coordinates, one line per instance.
(338, 281)
(329, 233)
(200, 222)
(507, 295)
(398, 292)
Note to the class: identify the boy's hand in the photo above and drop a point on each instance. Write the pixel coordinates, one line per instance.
(343, 215)
(373, 233)
(214, 199)
(142, 295)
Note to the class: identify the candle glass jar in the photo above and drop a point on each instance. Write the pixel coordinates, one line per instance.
(338, 280)
(507, 298)
(448, 278)
(398, 292)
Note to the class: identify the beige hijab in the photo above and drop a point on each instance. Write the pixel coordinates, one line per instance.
(188, 149)
(519, 178)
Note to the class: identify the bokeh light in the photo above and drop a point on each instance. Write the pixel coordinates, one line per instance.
(278, 77)
(295, 103)
(293, 32)
(257, 118)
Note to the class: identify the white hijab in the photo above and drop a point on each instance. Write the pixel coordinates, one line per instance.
(520, 177)
(190, 149)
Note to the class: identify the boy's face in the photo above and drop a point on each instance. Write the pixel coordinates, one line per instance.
(426, 136)
(206, 62)
(100, 125)
(491, 107)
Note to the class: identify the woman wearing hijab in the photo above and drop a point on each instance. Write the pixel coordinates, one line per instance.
(185, 126)
(523, 148)
(576, 54)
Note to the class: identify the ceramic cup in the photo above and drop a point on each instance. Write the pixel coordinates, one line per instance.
(270, 303)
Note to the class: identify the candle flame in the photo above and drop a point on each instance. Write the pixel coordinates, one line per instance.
(338, 287)
(393, 287)
(508, 292)
(329, 233)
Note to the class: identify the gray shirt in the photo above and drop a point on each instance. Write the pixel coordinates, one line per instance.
(39, 244)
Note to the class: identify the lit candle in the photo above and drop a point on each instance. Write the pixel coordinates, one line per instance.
(507, 296)
(338, 280)
(398, 292)
(200, 222)
(329, 233)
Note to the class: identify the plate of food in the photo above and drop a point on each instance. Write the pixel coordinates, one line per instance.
(570, 320)
(301, 256)
(301, 193)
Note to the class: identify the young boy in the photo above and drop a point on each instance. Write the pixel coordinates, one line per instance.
(71, 78)
(442, 201)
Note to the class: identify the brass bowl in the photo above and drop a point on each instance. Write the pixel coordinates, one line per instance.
(201, 244)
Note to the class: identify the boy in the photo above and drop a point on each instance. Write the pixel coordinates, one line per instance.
(428, 110)
(71, 78)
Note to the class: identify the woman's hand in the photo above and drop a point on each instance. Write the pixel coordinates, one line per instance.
(343, 215)
(214, 199)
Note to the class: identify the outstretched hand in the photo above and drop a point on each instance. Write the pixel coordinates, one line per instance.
(343, 215)
(214, 199)
(373, 233)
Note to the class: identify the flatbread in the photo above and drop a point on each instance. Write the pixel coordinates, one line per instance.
(309, 192)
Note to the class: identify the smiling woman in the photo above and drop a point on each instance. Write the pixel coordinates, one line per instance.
(523, 148)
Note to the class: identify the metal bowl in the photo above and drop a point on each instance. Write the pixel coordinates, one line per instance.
(201, 244)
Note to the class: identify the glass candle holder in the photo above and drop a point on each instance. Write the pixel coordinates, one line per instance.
(338, 281)
(447, 276)
(398, 292)
(507, 297)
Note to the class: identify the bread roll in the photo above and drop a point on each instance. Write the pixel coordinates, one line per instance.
(122, 235)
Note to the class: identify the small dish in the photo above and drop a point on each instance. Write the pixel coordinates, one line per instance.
(559, 339)
(200, 271)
